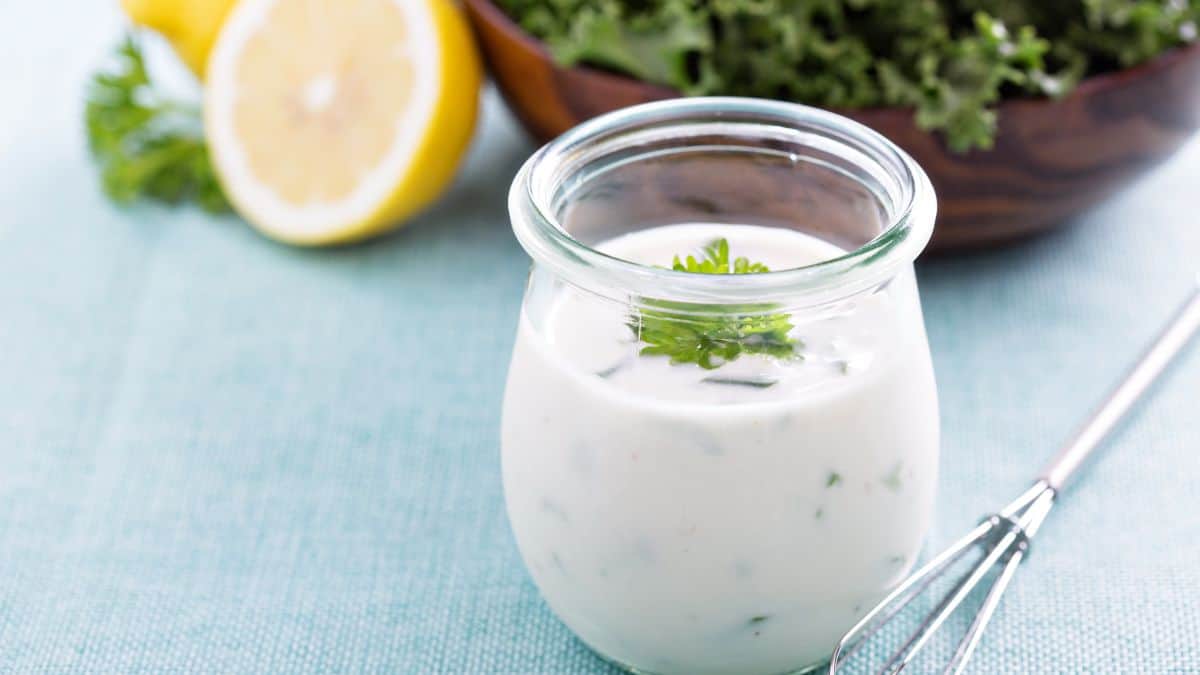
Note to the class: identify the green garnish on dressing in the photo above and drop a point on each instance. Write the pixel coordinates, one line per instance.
(712, 335)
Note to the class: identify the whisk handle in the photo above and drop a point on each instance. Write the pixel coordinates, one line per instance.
(1168, 344)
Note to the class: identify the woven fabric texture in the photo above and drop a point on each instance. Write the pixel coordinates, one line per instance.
(225, 455)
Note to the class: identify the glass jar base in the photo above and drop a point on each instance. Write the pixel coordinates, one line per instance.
(625, 667)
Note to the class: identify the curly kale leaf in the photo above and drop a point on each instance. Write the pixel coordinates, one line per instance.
(949, 60)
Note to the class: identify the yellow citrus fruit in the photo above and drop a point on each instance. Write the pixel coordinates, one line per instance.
(189, 25)
(329, 121)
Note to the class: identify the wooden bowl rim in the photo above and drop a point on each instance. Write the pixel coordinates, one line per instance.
(1087, 87)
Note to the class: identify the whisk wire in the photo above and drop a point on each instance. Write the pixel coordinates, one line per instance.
(899, 659)
(954, 599)
(1003, 539)
(902, 596)
(1029, 524)
(966, 646)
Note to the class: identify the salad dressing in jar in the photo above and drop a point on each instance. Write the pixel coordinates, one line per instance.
(719, 470)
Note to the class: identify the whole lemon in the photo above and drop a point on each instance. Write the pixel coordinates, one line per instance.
(190, 26)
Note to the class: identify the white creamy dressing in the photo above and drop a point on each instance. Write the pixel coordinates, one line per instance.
(680, 525)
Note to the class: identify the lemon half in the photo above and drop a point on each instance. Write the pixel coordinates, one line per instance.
(329, 121)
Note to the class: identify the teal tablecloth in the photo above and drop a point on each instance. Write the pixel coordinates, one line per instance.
(220, 454)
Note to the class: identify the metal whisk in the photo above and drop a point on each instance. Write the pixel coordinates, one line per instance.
(1002, 540)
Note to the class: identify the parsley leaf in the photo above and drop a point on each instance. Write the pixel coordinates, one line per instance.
(712, 335)
(147, 146)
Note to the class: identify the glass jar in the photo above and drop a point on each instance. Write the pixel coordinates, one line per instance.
(720, 473)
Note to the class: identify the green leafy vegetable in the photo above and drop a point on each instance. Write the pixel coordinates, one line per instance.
(716, 261)
(147, 146)
(712, 335)
(752, 382)
(950, 60)
(892, 480)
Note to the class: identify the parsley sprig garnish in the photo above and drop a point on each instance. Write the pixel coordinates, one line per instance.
(716, 261)
(711, 335)
(147, 146)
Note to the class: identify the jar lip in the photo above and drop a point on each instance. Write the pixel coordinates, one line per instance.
(899, 241)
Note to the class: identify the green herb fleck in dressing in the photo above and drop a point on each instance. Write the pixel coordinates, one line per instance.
(756, 383)
(892, 480)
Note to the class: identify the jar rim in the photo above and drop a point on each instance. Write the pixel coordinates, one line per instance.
(908, 228)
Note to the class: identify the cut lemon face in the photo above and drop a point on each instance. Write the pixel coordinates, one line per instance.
(332, 120)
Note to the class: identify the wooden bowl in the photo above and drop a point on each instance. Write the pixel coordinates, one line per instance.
(1052, 159)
